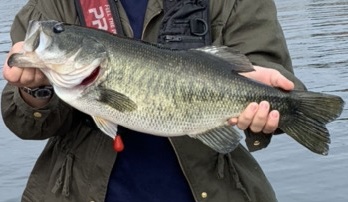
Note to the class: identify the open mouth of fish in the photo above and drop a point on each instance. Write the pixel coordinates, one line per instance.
(92, 77)
(60, 61)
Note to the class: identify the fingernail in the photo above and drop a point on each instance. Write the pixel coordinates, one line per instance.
(254, 106)
(274, 114)
(233, 121)
(264, 105)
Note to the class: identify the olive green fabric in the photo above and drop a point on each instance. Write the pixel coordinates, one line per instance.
(77, 160)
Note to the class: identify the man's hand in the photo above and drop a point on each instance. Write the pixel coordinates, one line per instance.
(20, 77)
(28, 77)
(257, 116)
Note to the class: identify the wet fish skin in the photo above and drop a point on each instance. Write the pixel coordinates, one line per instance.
(120, 81)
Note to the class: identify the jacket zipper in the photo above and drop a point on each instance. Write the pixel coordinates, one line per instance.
(182, 169)
(179, 38)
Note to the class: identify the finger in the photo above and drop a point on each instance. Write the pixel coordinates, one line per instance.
(260, 117)
(233, 121)
(12, 74)
(270, 77)
(280, 81)
(272, 122)
(40, 78)
(246, 117)
(28, 77)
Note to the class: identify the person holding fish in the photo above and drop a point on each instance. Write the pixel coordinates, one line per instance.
(79, 162)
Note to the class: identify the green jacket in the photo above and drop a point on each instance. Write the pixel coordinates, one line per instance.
(77, 160)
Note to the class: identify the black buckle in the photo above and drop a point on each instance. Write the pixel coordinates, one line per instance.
(199, 27)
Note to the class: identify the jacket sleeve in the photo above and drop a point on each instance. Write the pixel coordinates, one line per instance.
(252, 27)
(24, 121)
(30, 123)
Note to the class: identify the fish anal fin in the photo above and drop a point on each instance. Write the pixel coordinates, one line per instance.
(223, 139)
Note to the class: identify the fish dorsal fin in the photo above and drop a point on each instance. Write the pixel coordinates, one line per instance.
(108, 127)
(117, 100)
(239, 62)
(223, 139)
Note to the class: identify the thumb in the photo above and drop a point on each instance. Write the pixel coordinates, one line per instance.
(280, 81)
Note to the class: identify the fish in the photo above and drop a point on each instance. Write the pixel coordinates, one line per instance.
(145, 87)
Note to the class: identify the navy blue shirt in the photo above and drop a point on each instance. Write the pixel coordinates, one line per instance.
(147, 170)
(135, 10)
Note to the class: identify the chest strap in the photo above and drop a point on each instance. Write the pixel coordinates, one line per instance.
(185, 24)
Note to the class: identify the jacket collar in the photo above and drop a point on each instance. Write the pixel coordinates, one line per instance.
(154, 7)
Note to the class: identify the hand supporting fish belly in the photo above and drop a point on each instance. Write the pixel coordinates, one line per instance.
(166, 92)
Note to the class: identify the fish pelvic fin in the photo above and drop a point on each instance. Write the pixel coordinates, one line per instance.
(308, 124)
(222, 139)
(117, 100)
(109, 128)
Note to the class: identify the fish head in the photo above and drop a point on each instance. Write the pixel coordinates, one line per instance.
(68, 55)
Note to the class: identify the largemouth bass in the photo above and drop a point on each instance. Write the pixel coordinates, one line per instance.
(141, 86)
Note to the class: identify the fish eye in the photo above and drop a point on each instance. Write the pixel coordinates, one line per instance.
(58, 28)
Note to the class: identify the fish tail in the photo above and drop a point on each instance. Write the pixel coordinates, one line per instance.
(311, 113)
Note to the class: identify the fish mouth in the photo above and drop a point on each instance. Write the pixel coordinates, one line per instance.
(92, 77)
(32, 36)
(35, 38)
(67, 59)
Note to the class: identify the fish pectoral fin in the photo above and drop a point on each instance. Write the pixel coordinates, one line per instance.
(108, 127)
(239, 62)
(222, 139)
(117, 100)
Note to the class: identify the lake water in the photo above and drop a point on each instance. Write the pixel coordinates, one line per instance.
(317, 34)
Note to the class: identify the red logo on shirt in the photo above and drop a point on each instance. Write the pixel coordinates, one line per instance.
(98, 15)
